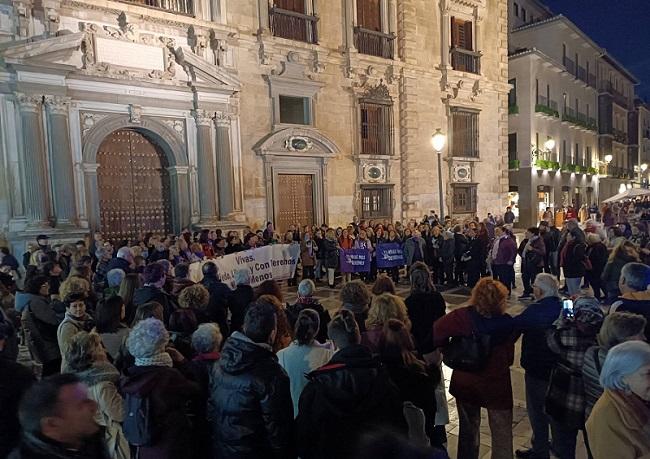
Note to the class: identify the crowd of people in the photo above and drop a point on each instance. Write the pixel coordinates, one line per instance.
(135, 359)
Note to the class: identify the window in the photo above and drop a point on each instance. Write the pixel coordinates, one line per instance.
(376, 128)
(461, 34)
(463, 57)
(523, 14)
(376, 202)
(369, 36)
(588, 158)
(516, 9)
(512, 146)
(512, 95)
(464, 129)
(536, 91)
(295, 110)
(178, 6)
(291, 19)
(464, 199)
(577, 157)
(564, 156)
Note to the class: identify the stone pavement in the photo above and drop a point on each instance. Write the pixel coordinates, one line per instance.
(456, 298)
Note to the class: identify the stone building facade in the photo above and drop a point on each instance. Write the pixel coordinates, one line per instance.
(157, 115)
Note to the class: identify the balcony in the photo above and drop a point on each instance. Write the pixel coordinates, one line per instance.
(620, 99)
(464, 60)
(619, 136)
(513, 109)
(293, 26)
(185, 7)
(547, 107)
(619, 172)
(569, 65)
(374, 43)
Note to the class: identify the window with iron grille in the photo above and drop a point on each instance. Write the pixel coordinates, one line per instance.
(464, 133)
(376, 127)
(376, 202)
(464, 199)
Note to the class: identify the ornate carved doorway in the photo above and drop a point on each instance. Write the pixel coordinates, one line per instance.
(295, 200)
(134, 189)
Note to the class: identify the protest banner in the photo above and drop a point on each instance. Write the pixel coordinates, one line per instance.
(271, 262)
(354, 261)
(390, 255)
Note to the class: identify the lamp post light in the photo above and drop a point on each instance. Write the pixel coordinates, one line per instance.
(438, 141)
(642, 168)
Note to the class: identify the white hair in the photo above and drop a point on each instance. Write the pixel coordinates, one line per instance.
(306, 287)
(148, 338)
(623, 360)
(124, 252)
(242, 277)
(207, 338)
(548, 284)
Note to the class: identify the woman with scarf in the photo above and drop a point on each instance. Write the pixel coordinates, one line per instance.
(76, 319)
(565, 405)
(87, 358)
(306, 290)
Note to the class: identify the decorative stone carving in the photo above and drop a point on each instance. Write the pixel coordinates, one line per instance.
(23, 14)
(89, 120)
(317, 64)
(135, 113)
(57, 105)
(178, 126)
(462, 172)
(298, 143)
(203, 117)
(476, 91)
(29, 103)
(223, 119)
(379, 92)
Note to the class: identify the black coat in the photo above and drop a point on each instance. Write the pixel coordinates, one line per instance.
(294, 310)
(574, 259)
(218, 306)
(598, 255)
(119, 263)
(460, 245)
(351, 395)
(238, 303)
(423, 310)
(251, 403)
(41, 448)
(149, 293)
(15, 379)
(330, 254)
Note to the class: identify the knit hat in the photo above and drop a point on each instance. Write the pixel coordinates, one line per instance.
(587, 311)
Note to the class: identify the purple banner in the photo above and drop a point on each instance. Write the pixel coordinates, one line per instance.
(390, 255)
(355, 261)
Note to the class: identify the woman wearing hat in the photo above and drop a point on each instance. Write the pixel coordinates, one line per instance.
(76, 319)
(575, 332)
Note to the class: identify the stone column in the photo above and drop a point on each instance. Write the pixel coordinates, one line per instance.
(65, 209)
(37, 200)
(205, 165)
(225, 177)
(445, 33)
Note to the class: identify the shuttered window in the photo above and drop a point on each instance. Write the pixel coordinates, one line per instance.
(297, 6)
(376, 202)
(464, 131)
(461, 34)
(464, 199)
(369, 14)
(376, 128)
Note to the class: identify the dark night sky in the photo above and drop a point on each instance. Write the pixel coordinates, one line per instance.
(620, 26)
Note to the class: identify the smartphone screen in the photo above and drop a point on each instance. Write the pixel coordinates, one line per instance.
(567, 308)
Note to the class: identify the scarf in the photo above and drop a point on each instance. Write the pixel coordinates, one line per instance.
(162, 359)
(637, 296)
(634, 411)
(306, 300)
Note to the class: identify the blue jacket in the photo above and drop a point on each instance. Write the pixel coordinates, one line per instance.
(536, 320)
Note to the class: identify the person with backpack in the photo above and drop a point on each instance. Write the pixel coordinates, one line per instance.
(156, 395)
(485, 383)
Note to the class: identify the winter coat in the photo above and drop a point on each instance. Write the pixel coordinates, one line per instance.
(619, 426)
(410, 247)
(67, 329)
(351, 395)
(591, 369)
(506, 251)
(251, 401)
(238, 302)
(203, 366)
(597, 254)
(119, 263)
(40, 324)
(491, 387)
(305, 258)
(360, 314)
(535, 322)
(448, 249)
(115, 343)
(536, 244)
(149, 293)
(169, 392)
(330, 254)
(460, 245)
(102, 380)
(612, 272)
(40, 447)
(217, 308)
(636, 303)
(15, 379)
(573, 263)
(293, 311)
(299, 360)
(423, 310)
(179, 284)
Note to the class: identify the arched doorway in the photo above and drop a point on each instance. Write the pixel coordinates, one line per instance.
(133, 185)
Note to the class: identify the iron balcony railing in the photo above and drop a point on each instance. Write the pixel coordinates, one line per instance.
(185, 7)
(293, 26)
(465, 60)
(548, 107)
(619, 136)
(374, 43)
(569, 65)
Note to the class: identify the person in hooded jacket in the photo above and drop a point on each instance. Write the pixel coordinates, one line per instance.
(249, 394)
(219, 293)
(350, 396)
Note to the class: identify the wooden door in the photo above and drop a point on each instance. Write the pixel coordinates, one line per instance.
(133, 186)
(295, 197)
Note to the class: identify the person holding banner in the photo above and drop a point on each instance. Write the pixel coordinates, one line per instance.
(346, 242)
(363, 243)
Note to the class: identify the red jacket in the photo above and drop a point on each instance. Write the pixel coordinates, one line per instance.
(491, 387)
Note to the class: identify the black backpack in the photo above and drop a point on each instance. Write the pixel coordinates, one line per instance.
(137, 425)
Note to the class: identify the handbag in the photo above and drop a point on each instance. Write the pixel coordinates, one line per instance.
(467, 353)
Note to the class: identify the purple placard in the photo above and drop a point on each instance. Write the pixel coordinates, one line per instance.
(355, 261)
(390, 255)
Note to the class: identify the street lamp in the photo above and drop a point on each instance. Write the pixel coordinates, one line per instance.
(549, 144)
(438, 140)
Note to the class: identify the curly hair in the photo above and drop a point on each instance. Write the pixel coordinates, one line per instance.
(383, 284)
(489, 297)
(74, 284)
(83, 350)
(194, 297)
(355, 292)
(269, 287)
(147, 338)
(384, 307)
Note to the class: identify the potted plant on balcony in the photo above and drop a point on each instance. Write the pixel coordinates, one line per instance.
(513, 164)
(554, 165)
